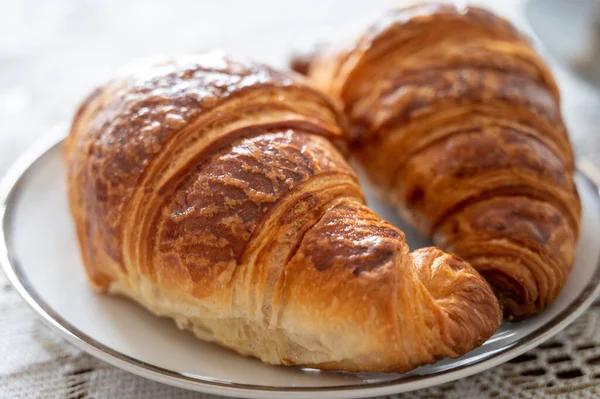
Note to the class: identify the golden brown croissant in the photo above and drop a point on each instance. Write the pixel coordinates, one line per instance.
(456, 121)
(212, 192)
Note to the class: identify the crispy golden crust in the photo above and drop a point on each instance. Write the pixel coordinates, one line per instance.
(456, 120)
(215, 193)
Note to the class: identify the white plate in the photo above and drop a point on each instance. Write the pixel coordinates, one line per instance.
(39, 253)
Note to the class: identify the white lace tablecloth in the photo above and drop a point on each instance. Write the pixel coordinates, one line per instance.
(53, 53)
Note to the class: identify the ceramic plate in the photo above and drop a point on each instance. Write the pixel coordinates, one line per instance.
(39, 253)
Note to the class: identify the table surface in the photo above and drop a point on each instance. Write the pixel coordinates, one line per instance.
(53, 53)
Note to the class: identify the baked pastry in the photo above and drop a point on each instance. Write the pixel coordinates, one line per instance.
(214, 192)
(456, 120)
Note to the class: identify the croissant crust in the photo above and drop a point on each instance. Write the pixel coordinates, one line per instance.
(456, 121)
(216, 193)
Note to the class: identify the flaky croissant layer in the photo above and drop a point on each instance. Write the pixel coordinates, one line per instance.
(215, 192)
(456, 120)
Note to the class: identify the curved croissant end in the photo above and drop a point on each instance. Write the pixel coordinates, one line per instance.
(456, 120)
(214, 192)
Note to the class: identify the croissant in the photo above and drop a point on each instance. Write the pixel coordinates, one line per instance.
(456, 121)
(216, 193)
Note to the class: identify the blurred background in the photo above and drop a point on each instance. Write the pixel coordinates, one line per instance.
(53, 52)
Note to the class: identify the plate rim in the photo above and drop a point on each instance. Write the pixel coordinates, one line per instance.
(9, 187)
